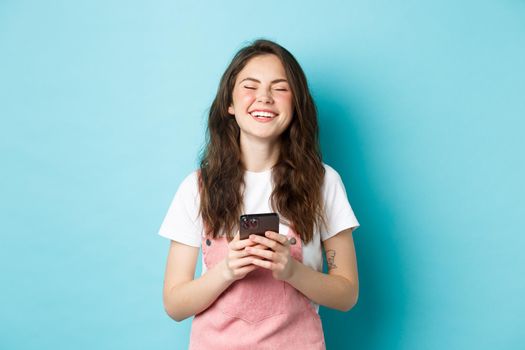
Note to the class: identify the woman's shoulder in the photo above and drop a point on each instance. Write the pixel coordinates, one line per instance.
(190, 183)
(331, 175)
(192, 177)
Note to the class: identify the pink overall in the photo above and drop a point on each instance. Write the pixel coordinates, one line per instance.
(256, 312)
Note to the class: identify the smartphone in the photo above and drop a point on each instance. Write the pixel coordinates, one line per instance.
(258, 224)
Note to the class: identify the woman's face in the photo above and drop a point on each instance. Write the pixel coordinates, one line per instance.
(262, 99)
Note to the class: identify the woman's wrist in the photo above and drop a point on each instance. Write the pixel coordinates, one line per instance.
(224, 272)
(295, 266)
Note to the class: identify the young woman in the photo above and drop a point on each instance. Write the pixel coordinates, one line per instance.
(262, 155)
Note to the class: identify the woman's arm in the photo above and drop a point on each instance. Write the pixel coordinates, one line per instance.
(182, 295)
(339, 289)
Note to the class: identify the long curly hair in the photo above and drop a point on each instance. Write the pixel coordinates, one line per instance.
(299, 173)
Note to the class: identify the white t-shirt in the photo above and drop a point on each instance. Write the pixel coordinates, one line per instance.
(183, 224)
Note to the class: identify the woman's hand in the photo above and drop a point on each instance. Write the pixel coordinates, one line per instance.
(277, 258)
(238, 262)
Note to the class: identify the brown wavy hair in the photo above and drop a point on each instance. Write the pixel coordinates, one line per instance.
(298, 174)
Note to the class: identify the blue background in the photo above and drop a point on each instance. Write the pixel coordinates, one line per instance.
(103, 107)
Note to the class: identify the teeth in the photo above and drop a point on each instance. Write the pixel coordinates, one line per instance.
(263, 114)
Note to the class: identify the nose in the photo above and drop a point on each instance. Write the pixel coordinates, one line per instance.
(265, 97)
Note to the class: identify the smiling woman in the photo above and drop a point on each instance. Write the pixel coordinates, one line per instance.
(262, 94)
(262, 155)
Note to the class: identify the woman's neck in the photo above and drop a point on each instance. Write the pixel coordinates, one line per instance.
(259, 155)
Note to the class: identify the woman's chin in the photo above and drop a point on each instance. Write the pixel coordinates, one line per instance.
(259, 136)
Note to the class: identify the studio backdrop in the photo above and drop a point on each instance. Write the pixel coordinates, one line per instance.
(103, 108)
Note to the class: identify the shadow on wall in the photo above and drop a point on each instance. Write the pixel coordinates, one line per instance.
(383, 289)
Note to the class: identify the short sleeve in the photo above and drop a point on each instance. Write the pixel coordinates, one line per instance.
(182, 222)
(338, 211)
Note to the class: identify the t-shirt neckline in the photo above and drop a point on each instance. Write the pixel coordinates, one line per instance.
(264, 172)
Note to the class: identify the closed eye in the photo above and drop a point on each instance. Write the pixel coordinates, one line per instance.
(249, 87)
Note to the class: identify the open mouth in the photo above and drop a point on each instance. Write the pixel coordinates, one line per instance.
(263, 115)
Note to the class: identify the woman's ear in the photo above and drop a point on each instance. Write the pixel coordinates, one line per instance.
(231, 110)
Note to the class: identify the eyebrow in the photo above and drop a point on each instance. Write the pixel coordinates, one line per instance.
(258, 81)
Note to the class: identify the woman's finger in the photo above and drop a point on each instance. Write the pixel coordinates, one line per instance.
(267, 264)
(258, 246)
(270, 243)
(236, 254)
(263, 253)
(246, 269)
(240, 244)
(277, 237)
(237, 263)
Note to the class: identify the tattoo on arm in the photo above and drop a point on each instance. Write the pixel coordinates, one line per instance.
(330, 258)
